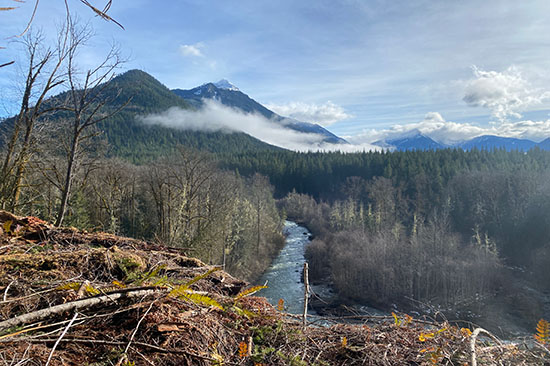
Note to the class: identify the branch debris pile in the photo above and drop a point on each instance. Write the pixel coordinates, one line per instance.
(69, 297)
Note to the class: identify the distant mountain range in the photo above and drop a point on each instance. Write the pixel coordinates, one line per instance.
(229, 95)
(415, 140)
(410, 141)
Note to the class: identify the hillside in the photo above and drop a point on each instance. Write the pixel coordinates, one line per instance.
(76, 298)
(415, 140)
(130, 139)
(489, 142)
(135, 141)
(409, 142)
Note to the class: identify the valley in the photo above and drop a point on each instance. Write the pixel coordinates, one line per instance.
(151, 215)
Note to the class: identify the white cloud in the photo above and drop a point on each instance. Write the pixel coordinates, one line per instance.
(506, 93)
(449, 133)
(214, 116)
(323, 114)
(188, 50)
(532, 130)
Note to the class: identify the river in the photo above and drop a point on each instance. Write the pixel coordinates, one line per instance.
(284, 281)
(284, 276)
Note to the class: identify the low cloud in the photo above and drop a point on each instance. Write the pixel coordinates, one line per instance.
(323, 114)
(188, 50)
(505, 93)
(214, 116)
(449, 133)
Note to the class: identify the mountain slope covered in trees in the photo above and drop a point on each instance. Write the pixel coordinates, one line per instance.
(140, 94)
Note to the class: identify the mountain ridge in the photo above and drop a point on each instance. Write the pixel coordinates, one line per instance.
(419, 141)
(229, 95)
(130, 139)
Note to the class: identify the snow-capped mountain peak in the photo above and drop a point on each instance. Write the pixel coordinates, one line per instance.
(224, 84)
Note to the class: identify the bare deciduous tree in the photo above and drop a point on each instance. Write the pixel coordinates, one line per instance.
(43, 75)
(101, 13)
(88, 94)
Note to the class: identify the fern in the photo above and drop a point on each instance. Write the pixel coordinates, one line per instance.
(75, 286)
(90, 290)
(243, 349)
(407, 319)
(7, 226)
(149, 275)
(202, 299)
(119, 284)
(249, 291)
(243, 312)
(543, 332)
(423, 337)
(198, 278)
(344, 342)
(184, 292)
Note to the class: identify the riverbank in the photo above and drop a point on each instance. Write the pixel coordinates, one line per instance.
(510, 313)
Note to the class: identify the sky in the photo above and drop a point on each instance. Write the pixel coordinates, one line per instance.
(364, 69)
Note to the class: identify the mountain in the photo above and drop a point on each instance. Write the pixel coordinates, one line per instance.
(489, 142)
(413, 140)
(130, 139)
(229, 95)
(545, 144)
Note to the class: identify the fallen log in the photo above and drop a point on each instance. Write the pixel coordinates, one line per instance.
(77, 305)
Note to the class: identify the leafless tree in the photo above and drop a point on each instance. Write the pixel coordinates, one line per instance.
(89, 92)
(43, 75)
(102, 13)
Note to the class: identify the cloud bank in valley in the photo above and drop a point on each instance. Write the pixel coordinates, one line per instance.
(214, 116)
(323, 114)
(505, 94)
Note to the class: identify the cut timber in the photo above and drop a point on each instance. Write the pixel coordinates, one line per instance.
(78, 305)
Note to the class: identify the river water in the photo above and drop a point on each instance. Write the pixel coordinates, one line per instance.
(284, 277)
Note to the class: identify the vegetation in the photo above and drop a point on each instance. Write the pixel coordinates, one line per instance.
(58, 163)
(440, 227)
(444, 229)
(99, 299)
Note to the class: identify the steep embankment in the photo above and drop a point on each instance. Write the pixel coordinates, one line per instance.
(77, 298)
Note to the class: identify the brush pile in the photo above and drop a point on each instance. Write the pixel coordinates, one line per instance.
(69, 297)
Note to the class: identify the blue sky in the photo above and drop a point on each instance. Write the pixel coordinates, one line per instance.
(364, 69)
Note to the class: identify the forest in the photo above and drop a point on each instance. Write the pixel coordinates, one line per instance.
(458, 231)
